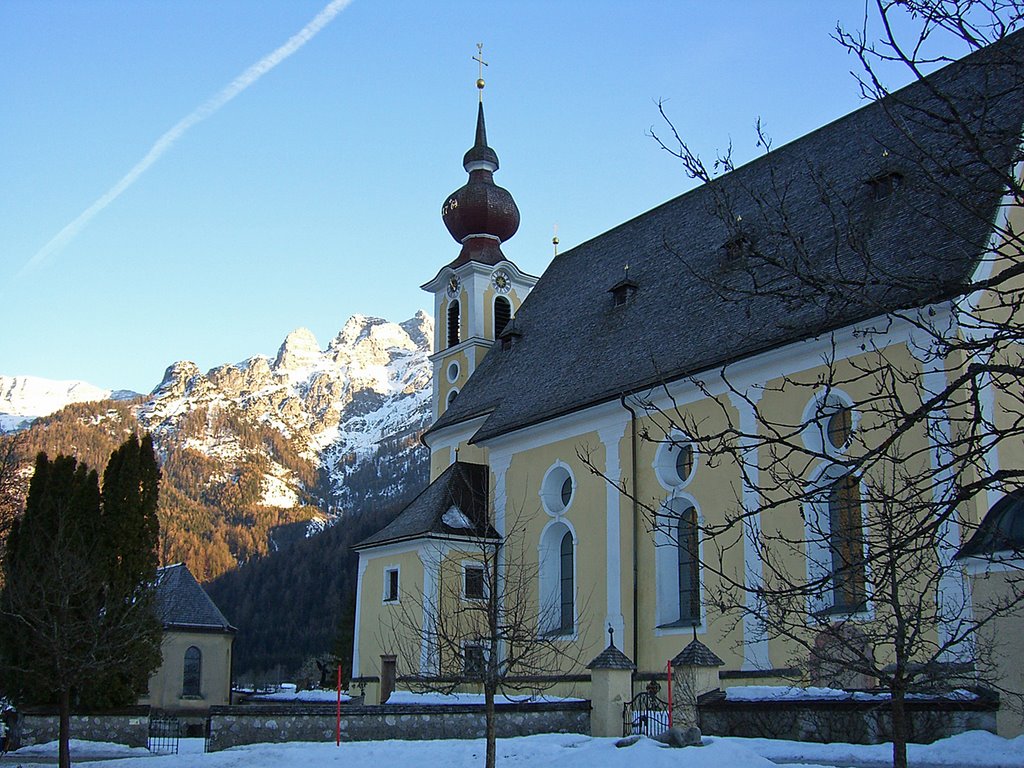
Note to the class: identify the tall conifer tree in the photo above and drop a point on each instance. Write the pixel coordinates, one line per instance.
(77, 625)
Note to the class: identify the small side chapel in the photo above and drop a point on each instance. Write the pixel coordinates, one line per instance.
(549, 397)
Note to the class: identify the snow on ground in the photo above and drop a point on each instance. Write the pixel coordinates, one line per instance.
(293, 695)
(797, 693)
(407, 697)
(975, 749)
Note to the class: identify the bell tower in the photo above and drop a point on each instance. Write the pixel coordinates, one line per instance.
(477, 294)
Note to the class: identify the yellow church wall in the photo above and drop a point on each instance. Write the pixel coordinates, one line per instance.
(786, 402)
(383, 626)
(165, 685)
(585, 516)
(714, 491)
(1003, 639)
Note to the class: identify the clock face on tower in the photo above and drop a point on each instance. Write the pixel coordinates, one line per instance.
(501, 281)
(453, 286)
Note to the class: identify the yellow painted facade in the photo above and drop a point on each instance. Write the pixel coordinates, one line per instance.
(166, 685)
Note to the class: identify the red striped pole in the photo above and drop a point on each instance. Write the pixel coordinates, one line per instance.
(670, 694)
(337, 729)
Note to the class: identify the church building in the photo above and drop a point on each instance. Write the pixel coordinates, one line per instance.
(687, 421)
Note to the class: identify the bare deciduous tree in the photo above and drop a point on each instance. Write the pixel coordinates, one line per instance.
(481, 625)
(858, 508)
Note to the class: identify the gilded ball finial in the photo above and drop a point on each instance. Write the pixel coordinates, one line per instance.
(480, 83)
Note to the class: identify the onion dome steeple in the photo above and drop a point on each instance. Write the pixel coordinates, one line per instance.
(480, 215)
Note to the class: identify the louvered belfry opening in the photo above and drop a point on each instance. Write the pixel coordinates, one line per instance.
(502, 314)
(453, 323)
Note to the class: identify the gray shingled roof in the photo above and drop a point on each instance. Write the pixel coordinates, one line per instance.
(611, 658)
(183, 604)
(462, 486)
(696, 654)
(1002, 530)
(691, 314)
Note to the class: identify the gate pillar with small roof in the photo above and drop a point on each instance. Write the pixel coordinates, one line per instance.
(694, 672)
(611, 687)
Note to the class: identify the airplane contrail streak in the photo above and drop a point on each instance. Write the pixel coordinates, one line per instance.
(203, 111)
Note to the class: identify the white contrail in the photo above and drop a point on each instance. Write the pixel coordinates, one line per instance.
(165, 142)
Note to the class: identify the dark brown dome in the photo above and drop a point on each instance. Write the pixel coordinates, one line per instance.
(480, 207)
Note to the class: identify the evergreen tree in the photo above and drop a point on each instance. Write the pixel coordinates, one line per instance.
(77, 626)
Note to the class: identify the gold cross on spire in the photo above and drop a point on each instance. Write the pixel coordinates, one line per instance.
(479, 59)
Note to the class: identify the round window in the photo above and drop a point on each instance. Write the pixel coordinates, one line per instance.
(839, 427)
(675, 461)
(557, 489)
(453, 371)
(684, 462)
(451, 397)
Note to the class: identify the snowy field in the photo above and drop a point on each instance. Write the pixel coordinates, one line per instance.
(971, 750)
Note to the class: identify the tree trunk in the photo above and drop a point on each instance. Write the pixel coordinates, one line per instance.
(492, 739)
(64, 759)
(899, 728)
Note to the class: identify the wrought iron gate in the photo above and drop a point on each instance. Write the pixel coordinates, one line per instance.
(646, 713)
(164, 733)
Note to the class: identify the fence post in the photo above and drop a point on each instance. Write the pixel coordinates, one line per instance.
(694, 672)
(611, 686)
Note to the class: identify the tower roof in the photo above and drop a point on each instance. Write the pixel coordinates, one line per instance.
(697, 308)
(480, 215)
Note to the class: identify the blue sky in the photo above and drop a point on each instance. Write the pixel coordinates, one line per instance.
(315, 193)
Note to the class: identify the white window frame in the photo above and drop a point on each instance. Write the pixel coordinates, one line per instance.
(386, 599)
(549, 557)
(482, 567)
(818, 535)
(666, 576)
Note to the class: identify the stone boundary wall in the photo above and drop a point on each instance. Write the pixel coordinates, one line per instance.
(123, 726)
(255, 723)
(854, 722)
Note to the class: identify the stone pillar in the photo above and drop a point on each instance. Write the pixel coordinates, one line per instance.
(611, 686)
(387, 676)
(694, 672)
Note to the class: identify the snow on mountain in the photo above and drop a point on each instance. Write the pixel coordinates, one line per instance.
(26, 398)
(340, 407)
(355, 407)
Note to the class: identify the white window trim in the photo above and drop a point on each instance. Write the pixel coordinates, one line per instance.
(666, 573)
(816, 524)
(385, 600)
(815, 420)
(549, 580)
(448, 371)
(664, 464)
(466, 565)
(552, 489)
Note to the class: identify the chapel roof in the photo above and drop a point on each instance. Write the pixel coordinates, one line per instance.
(1002, 530)
(455, 504)
(181, 603)
(695, 308)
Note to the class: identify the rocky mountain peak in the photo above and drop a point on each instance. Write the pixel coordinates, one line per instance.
(299, 350)
(420, 328)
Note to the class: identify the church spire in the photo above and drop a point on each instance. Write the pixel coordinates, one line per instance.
(480, 215)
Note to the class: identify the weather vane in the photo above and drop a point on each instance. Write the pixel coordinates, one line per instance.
(479, 59)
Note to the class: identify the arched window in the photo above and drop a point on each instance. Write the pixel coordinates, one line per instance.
(689, 566)
(566, 611)
(453, 322)
(557, 554)
(677, 563)
(502, 314)
(846, 542)
(193, 671)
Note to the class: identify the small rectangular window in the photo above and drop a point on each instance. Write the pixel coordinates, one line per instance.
(473, 662)
(391, 585)
(885, 185)
(473, 582)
